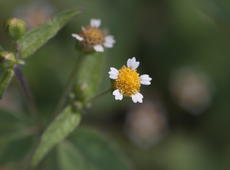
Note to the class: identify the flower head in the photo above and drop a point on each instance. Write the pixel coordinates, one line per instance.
(93, 38)
(127, 81)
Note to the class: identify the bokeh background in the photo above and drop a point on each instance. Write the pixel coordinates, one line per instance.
(184, 45)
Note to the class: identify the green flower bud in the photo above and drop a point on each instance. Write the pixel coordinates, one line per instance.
(15, 28)
(7, 59)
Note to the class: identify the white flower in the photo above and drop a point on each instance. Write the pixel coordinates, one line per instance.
(127, 81)
(93, 38)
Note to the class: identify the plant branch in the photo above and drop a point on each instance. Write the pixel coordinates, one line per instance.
(25, 89)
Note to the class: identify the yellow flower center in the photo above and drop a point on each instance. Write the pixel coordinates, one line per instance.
(128, 81)
(92, 36)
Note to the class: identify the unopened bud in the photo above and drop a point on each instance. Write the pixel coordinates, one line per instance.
(15, 28)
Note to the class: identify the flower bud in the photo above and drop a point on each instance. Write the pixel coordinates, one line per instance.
(15, 28)
(7, 59)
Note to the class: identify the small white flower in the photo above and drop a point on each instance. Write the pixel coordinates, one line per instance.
(127, 81)
(93, 38)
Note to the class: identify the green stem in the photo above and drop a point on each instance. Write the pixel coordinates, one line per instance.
(26, 91)
(4, 82)
(68, 87)
(99, 95)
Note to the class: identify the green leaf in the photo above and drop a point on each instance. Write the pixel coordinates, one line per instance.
(5, 79)
(58, 130)
(88, 150)
(15, 138)
(89, 75)
(36, 38)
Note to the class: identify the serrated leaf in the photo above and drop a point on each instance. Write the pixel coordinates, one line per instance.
(58, 130)
(36, 38)
(88, 150)
(5, 79)
(15, 139)
(89, 75)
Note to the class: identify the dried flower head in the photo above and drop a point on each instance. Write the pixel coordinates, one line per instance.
(127, 81)
(35, 14)
(146, 124)
(93, 38)
(191, 89)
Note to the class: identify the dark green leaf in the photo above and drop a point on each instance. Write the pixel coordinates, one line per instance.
(34, 39)
(15, 139)
(88, 150)
(58, 130)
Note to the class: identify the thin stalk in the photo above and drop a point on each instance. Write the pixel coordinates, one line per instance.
(25, 90)
(99, 95)
(68, 87)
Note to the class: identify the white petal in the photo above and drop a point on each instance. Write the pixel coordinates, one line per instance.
(99, 48)
(78, 37)
(95, 23)
(109, 41)
(132, 63)
(145, 79)
(117, 94)
(113, 73)
(138, 97)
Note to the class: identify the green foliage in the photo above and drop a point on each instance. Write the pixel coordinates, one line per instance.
(58, 130)
(34, 39)
(15, 140)
(88, 150)
(89, 75)
(5, 79)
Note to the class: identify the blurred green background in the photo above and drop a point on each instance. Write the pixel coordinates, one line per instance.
(182, 44)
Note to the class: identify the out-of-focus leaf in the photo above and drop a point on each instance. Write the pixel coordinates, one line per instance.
(1, 48)
(58, 130)
(15, 139)
(89, 75)
(34, 39)
(5, 79)
(88, 150)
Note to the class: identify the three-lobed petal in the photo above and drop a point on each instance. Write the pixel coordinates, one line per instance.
(113, 73)
(109, 41)
(132, 63)
(145, 79)
(117, 94)
(137, 98)
(95, 23)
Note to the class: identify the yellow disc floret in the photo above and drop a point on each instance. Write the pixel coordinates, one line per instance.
(128, 81)
(92, 36)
